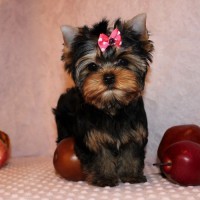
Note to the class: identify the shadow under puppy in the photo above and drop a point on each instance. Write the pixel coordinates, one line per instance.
(104, 112)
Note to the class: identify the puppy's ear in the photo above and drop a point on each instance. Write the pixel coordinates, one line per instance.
(69, 33)
(138, 25)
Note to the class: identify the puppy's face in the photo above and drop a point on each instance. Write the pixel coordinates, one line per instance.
(112, 82)
(112, 78)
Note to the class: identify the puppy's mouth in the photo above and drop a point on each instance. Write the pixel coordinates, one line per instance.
(118, 96)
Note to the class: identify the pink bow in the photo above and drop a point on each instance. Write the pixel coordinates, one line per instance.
(115, 39)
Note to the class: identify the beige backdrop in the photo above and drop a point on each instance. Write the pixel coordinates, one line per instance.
(32, 75)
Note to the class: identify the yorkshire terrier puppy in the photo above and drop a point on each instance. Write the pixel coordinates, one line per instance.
(104, 111)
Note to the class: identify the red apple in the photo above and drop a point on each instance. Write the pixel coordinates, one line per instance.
(4, 148)
(174, 134)
(4, 154)
(181, 163)
(66, 162)
(5, 138)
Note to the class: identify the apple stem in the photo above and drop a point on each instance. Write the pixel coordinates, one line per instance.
(163, 164)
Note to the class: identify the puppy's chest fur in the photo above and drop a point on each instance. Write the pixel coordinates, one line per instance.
(98, 139)
(101, 130)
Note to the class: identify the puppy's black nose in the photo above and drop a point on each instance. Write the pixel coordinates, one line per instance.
(109, 79)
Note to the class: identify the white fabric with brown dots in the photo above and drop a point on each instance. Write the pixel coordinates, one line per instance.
(34, 178)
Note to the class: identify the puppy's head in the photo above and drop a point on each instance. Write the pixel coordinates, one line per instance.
(109, 73)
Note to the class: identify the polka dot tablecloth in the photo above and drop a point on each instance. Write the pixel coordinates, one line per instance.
(34, 179)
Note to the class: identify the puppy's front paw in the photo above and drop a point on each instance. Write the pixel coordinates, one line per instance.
(102, 181)
(129, 179)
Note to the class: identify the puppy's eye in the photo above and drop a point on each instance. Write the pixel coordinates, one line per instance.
(122, 62)
(92, 67)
